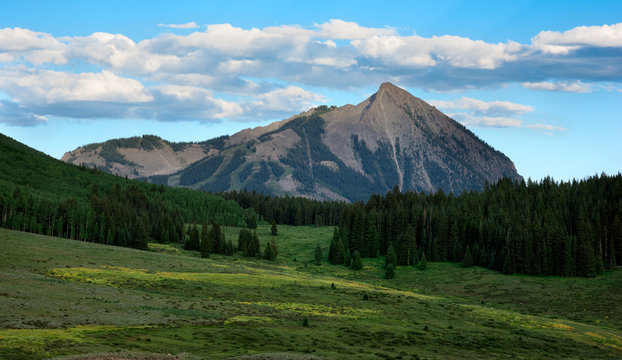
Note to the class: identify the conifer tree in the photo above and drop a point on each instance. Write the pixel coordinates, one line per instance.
(423, 264)
(205, 246)
(267, 254)
(339, 253)
(391, 258)
(357, 262)
(193, 242)
(317, 256)
(390, 272)
(476, 255)
(256, 246)
(467, 262)
(273, 247)
(273, 230)
(347, 259)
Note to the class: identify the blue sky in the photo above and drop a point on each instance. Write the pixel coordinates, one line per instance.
(539, 81)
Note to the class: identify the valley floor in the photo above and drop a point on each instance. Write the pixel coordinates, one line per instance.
(60, 298)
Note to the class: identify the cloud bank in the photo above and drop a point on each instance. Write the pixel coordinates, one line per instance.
(259, 73)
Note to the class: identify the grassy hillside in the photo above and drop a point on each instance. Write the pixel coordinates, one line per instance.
(62, 297)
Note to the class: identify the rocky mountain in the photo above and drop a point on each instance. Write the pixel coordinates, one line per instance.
(337, 153)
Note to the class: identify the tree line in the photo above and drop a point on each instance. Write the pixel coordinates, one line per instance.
(289, 210)
(536, 228)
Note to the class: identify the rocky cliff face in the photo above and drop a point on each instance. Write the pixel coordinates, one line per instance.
(346, 153)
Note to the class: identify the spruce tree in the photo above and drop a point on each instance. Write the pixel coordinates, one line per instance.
(275, 250)
(267, 254)
(339, 253)
(317, 256)
(391, 258)
(390, 272)
(256, 245)
(347, 259)
(205, 246)
(273, 230)
(193, 242)
(423, 264)
(467, 262)
(357, 262)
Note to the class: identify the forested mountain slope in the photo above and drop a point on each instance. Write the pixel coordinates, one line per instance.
(43, 195)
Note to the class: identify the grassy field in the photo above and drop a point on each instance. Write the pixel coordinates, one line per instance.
(60, 298)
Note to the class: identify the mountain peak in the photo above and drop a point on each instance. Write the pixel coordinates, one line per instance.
(387, 85)
(391, 138)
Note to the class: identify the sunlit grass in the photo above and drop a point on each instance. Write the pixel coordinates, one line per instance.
(345, 312)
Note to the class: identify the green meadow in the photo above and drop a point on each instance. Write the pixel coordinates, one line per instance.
(78, 300)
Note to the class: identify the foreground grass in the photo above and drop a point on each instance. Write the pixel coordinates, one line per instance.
(61, 297)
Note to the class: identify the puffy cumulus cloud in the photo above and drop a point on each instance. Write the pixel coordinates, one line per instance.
(339, 29)
(36, 94)
(225, 39)
(454, 51)
(175, 102)
(47, 87)
(480, 107)
(564, 86)
(346, 54)
(561, 43)
(284, 102)
(258, 67)
(188, 25)
(19, 40)
(35, 47)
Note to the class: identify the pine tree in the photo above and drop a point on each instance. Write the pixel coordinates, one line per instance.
(318, 255)
(273, 230)
(273, 247)
(267, 254)
(467, 262)
(339, 253)
(347, 259)
(476, 255)
(193, 242)
(357, 262)
(205, 246)
(256, 245)
(423, 264)
(390, 272)
(391, 258)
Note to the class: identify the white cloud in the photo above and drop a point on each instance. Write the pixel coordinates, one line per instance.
(546, 127)
(18, 40)
(564, 86)
(491, 108)
(485, 121)
(130, 77)
(561, 43)
(47, 87)
(339, 29)
(188, 25)
(291, 98)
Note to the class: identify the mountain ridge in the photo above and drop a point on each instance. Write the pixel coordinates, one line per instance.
(345, 153)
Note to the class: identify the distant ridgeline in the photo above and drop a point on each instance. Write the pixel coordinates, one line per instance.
(545, 228)
(43, 195)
